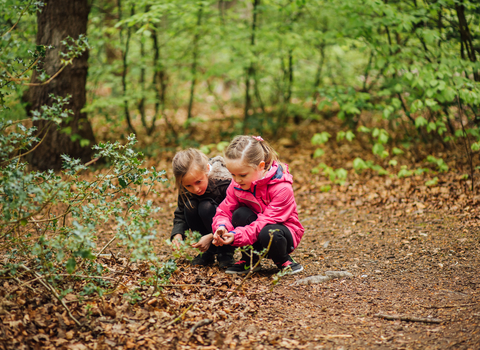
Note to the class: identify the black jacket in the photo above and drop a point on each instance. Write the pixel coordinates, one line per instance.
(219, 180)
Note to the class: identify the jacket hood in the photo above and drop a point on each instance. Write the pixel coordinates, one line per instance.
(276, 174)
(218, 170)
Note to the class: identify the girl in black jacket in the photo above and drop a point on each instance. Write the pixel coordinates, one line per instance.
(202, 186)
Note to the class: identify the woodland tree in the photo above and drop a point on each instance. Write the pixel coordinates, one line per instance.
(57, 21)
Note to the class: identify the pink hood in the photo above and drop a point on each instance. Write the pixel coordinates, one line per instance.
(271, 198)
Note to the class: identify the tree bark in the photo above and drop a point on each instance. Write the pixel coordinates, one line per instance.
(196, 38)
(251, 69)
(58, 20)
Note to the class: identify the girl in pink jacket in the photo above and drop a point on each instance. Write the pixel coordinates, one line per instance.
(259, 200)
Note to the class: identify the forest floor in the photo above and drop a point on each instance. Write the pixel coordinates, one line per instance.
(413, 252)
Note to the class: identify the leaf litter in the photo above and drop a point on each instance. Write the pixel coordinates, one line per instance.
(412, 251)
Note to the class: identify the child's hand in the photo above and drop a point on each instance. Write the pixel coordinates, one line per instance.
(176, 241)
(218, 234)
(225, 239)
(204, 243)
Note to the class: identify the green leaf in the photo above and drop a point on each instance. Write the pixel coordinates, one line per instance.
(430, 103)
(416, 106)
(378, 149)
(404, 172)
(393, 162)
(449, 94)
(431, 127)
(71, 264)
(122, 182)
(350, 136)
(205, 149)
(23, 222)
(397, 151)
(320, 138)
(325, 188)
(84, 142)
(359, 164)
(67, 130)
(420, 121)
(432, 182)
(318, 153)
(383, 137)
(222, 145)
(364, 129)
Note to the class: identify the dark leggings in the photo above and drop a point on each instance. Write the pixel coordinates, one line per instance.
(199, 217)
(282, 242)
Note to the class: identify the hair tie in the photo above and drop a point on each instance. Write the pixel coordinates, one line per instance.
(258, 138)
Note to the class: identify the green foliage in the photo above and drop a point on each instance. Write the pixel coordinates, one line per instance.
(337, 176)
(441, 165)
(349, 135)
(60, 216)
(49, 220)
(185, 249)
(220, 147)
(432, 182)
(320, 139)
(404, 172)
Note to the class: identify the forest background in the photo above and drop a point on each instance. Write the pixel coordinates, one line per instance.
(346, 91)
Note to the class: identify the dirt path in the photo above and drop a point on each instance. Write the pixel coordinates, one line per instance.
(413, 252)
(417, 266)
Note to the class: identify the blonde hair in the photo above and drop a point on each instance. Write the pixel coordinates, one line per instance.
(183, 162)
(252, 150)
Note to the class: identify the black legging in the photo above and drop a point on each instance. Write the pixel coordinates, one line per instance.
(199, 216)
(282, 242)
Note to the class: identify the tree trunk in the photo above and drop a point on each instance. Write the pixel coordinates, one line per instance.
(58, 20)
(196, 38)
(251, 69)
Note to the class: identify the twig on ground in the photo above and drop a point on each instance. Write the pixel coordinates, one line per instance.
(409, 318)
(199, 324)
(249, 272)
(105, 247)
(447, 306)
(122, 273)
(194, 285)
(166, 302)
(54, 292)
(21, 284)
(332, 336)
(18, 287)
(181, 316)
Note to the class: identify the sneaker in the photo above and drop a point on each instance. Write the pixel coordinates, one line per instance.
(225, 260)
(240, 268)
(290, 267)
(203, 259)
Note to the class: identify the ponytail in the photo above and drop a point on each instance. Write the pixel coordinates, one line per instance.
(253, 150)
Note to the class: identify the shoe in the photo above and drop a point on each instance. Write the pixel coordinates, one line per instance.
(290, 267)
(225, 260)
(203, 259)
(241, 268)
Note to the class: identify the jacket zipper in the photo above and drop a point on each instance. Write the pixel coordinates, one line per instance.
(261, 211)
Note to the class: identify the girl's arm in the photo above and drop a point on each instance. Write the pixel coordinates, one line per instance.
(179, 223)
(223, 216)
(281, 207)
(204, 243)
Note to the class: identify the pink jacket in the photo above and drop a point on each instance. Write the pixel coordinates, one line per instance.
(271, 199)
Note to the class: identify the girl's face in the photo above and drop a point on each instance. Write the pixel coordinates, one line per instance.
(195, 181)
(243, 174)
